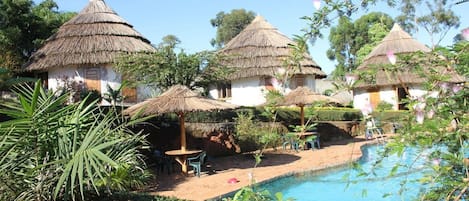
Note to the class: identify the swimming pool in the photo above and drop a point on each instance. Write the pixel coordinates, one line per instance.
(347, 184)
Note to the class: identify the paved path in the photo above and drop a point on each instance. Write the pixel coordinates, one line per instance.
(274, 164)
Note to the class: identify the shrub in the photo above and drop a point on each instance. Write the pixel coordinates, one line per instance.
(390, 115)
(383, 106)
(286, 115)
(335, 114)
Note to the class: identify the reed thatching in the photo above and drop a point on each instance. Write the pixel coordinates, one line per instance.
(302, 96)
(260, 50)
(399, 42)
(305, 96)
(96, 36)
(178, 99)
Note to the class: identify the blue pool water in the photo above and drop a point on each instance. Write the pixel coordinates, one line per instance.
(347, 184)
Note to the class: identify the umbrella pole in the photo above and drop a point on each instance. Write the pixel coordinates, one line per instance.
(183, 131)
(302, 114)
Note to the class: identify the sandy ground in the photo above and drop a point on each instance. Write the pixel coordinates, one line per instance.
(213, 182)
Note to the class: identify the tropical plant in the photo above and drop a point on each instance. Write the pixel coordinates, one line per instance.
(114, 96)
(53, 151)
(437, 119)
(7, 79)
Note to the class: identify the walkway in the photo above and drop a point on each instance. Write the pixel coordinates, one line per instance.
(274, 164)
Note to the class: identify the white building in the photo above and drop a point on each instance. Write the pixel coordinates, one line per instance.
(257, 55)
(84, 49)
(389, 87)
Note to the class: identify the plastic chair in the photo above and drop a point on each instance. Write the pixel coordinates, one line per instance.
(196, 162)
(313, 141)
(292, 140)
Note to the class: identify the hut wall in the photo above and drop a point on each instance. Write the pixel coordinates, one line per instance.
(416, 91)
(389, 95)
(213, 91)
(56, 77)
(251, 91)
(360, 98)
(247, 91)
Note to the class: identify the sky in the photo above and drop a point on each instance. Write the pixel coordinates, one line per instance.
(189, 20)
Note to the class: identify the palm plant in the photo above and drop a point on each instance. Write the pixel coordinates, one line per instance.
(53, 151)
(114, 96)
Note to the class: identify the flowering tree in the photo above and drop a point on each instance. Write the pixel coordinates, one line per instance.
(437, 119)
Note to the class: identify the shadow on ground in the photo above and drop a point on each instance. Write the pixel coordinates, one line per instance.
(165, 180)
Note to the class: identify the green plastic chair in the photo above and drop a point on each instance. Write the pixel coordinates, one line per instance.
(313, 141)
(197, 162)
(292, 140)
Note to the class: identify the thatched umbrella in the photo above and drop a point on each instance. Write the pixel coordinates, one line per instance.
(303, 96)
(399, 42)
(94, 37)
(180, 100)
(260, 50)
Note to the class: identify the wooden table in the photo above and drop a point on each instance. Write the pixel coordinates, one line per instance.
(304, 134)
(181, 156)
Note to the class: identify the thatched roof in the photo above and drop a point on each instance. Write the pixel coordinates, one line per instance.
(399, 42)
(259, 50)
(177, 99)
(96, 36)
(305, 96)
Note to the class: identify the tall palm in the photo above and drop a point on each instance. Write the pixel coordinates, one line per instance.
(49, 150)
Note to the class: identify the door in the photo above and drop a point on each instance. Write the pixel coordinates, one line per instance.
(129, 94)
(374, 98)
(401, 95)
(93, 79)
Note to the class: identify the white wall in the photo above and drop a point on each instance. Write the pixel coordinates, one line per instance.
(247, 92)
(57, 75)
(416, 91)
(251, 91)
(389, 95)
(107, 75)
(360, 98)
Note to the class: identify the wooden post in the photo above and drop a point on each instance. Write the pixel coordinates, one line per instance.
(183, 131)
(302, 115)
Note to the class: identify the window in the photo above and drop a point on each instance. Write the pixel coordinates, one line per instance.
(269, 84)
(129, 94)
(224, 90)
(401, 95)
(298, 81)
(44, 79)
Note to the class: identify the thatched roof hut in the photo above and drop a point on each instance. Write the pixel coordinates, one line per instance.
(399, 42)
(177, 99)
(96, 36)
(259, 50)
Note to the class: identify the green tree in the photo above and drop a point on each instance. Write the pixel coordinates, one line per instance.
(376, 33)
(436, 17)
(24, 27)
(439, 122)
(53, 151)
(165, 67)
(438, 21)
(348, 37)
(229, 25)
